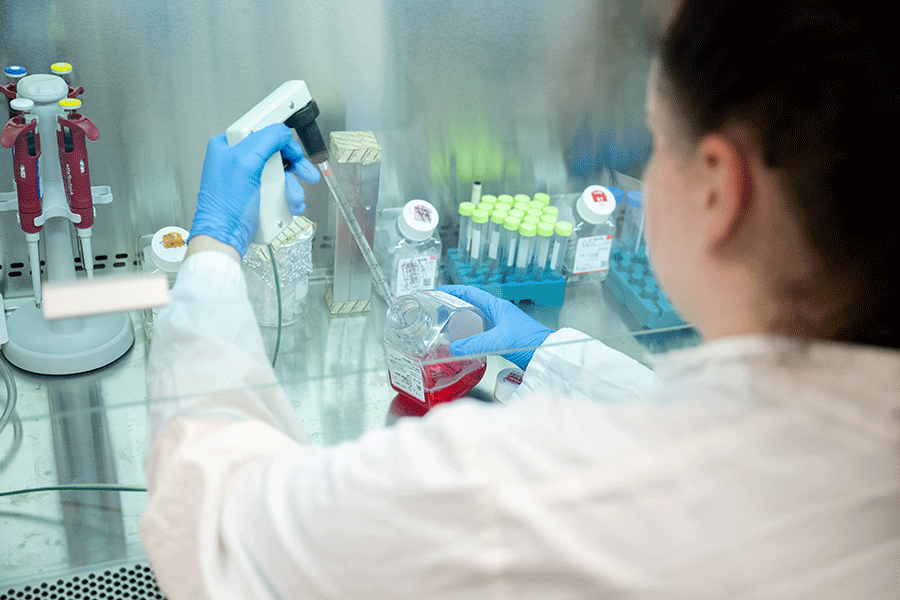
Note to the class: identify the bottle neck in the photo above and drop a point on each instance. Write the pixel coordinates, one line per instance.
(408, 318)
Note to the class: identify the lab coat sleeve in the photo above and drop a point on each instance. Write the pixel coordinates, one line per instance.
(574, 364)
(207, 357)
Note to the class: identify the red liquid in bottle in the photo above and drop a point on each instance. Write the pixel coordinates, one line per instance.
(449, 380)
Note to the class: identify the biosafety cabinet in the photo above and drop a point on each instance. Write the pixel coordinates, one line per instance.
(524, 97)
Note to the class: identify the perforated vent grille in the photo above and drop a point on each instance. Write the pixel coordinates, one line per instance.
(123, 583)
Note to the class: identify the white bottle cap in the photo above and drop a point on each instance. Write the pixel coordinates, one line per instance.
(595, 204)
(418, 220)
(21, 104)
(508, 381)
(168, 247)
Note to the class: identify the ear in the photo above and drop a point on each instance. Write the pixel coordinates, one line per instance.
(727, 189)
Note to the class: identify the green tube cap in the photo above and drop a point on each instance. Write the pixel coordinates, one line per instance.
(512, 223)
(543, 198)
(528, 229)
(466, 208)
(480, 216)
(545, 229)
(563, 228)
(498, 216)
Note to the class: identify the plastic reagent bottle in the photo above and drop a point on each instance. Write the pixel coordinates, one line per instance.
(633, 222)
(587, 255)
(508, 244)
(163, 253)
(563, 232)
(412, 249)
(542, 249)
(527, 231)
(465, 228)
(419, 329)
(479, 238)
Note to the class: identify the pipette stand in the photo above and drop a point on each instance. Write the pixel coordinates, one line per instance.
(65, 346)
(357, 155)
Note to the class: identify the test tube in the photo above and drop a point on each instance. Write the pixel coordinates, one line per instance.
(465, 229)
(522, 198)
(476, 193)
(543, 198)
(493, 240)
(506, 198)
(633, 226)
(527, 231)
(508, 243)
(479, 233)
(563, 232)
(541, 249)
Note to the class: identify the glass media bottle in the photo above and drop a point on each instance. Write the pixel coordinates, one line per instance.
(420, 327)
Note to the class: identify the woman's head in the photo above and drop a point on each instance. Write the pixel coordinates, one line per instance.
(773, 123)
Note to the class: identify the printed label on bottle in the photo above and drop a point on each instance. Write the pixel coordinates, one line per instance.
(416, 274)
(592, 254)
(451, 300)
(405, 373)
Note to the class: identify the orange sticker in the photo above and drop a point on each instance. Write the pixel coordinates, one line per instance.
(172, 240)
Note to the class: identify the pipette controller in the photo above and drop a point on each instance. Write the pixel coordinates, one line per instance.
(292, 105)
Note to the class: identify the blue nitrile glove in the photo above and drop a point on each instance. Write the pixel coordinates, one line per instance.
(510, 328)
(228, 202)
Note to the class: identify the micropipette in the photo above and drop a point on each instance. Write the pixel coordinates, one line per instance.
(292, 105)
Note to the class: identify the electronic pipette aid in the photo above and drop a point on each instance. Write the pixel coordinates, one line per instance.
(292, 105)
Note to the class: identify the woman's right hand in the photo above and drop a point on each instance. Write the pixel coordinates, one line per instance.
(512, 334)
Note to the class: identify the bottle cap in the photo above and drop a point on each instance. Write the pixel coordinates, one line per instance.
(618, 194)
(523, 198)
(70, 103)
(168, 247)
(528, 229)
(487, 198)
(466, 208)
(536, 204)
(542, 198)
(531, 219)
(503, 206)
(523, 206)
(563, 228)
(635, 199)
(480, 215)
(517, 213)
(61, 68)
(535, 212)
(506, 198)
(550, 210)
(545, 229)
(418, 220)
(508, 381)
(15, 71)
(498, 216)
(21, 104)
(595, 204)
(512, 223)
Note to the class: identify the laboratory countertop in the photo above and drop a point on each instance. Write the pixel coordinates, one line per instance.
(71, 460)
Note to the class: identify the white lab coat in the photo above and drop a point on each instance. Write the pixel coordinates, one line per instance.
(754, 468)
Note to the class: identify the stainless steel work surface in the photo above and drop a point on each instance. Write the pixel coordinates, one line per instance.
(73, 453)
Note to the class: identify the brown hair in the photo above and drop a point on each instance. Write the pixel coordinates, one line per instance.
(817, 83)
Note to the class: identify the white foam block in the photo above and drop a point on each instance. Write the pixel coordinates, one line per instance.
(104, 295)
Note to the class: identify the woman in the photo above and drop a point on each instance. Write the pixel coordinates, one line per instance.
(762, 464)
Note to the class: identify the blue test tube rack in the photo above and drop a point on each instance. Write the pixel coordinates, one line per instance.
(632, 282)
(543, 292)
